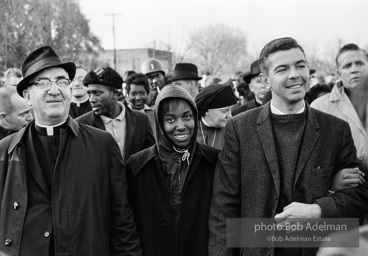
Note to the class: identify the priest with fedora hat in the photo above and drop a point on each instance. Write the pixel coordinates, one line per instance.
(186, 76)
(62, 184)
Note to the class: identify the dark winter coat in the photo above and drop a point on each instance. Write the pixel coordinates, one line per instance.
(138, 130)
(90, 211)
(247, 178)
(162, 231)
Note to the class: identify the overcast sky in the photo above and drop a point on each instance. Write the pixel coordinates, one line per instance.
(316, 24)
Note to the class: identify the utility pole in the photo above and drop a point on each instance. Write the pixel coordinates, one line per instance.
(113, 33)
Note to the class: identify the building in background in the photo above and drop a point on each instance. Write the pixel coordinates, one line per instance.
(131, 59)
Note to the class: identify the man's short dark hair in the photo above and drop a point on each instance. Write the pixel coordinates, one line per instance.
(137, 79)
(346, 48)
(280, 44)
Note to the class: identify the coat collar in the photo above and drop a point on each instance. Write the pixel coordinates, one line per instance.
(130, 128)
(266, 136)
(345, 107)
(338, 92)
(20, 135)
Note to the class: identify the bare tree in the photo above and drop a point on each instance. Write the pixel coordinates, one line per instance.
(219, 49)
(178, 48)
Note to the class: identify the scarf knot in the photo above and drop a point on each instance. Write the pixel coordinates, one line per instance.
(185, 153)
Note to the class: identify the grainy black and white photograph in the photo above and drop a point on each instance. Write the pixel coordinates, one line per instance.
(183, 128)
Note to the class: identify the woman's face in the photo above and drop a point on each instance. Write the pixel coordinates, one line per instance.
(179, 123)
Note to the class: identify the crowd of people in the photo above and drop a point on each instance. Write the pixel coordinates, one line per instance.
(96, 163)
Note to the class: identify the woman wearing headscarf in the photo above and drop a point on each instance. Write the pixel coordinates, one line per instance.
(214, 104)
(170, 183)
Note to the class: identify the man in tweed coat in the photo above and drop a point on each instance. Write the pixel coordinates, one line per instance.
(278, 160)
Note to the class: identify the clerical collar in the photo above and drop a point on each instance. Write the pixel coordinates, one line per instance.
(276, 111)
(50, 130)
(204, 122)
(79, 103)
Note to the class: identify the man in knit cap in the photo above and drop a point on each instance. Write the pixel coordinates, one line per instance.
(131, 129)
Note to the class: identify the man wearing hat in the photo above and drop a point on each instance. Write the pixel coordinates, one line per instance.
(186, 75)
(256, 86)
(62, 184)
(214, 104)
(131, 129)
(154, 71)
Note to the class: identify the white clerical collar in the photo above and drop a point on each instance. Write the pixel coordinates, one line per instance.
(79, 103)
(50, 128)
(276, 111)
(204, 122)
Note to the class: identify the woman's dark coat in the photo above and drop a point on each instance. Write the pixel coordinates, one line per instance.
(162, 232)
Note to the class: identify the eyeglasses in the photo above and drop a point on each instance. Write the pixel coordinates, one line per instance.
(46, 83)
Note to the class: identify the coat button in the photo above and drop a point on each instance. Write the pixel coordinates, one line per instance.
(15, 205)
(47, 234)
(8, 242)
(276, 197)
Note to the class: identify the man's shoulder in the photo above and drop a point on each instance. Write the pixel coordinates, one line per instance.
(321, 102)
(249, 115)
(88, 130)
(328, 120)
(239, 109)
(137, 114)
(87, 118)
(5, 143)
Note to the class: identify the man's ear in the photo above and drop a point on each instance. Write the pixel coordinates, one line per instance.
(264, 80)
(27, 96)
(2, 115)
(251, 87)
(115, 94)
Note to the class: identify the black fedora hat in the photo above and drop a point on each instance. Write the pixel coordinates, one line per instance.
(254, 70)
(38, 60)
(185, 71)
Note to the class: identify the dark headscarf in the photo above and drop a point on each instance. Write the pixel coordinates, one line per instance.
(215, 96)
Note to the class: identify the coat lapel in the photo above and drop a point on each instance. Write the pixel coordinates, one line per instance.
(129, 134)
(34, 166)
(308, 142)
(265, 134)
(98, 122)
